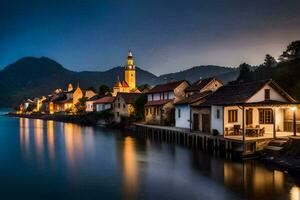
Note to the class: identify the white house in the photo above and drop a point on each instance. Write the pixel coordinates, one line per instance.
(258, 109)
(160, 108)
(104, 103)
(184, 110)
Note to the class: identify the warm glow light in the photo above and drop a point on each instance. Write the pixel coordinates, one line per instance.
(293, 108)
(295, 193)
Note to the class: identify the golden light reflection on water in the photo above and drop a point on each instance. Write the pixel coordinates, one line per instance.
(130, 169)
(50, 140)
(73, 144)
(256, 181)
(24, 136)
(39, 140)
(295, 193)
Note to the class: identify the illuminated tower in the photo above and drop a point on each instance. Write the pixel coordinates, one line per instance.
(130, 72)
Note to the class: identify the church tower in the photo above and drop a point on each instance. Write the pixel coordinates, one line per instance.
(130, 72)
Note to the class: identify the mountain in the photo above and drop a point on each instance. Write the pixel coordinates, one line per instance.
(30, 77)
(225, 74)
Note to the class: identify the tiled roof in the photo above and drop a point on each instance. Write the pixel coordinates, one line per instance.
(166, 87)
(240, 93)
(129, 98)
(125, 84)
(195, 97)
(200, 84)
(157, 102)
(103, 100)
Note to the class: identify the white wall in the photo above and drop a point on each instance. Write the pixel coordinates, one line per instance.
(215, 122)
(260, 95)
(101, 107)
(184, 120)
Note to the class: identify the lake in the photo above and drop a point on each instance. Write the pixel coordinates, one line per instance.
(53, 160)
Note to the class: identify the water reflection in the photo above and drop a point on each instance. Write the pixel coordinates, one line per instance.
(39, 140)
(24, 136)
(86, 155)
(73, 144)
(130, 169)
(50, 140)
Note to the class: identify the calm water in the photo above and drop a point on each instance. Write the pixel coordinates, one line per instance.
(51, 160)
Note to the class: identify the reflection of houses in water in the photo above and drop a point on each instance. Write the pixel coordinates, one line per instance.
(39, 140)
(130, 169)
(129, 164)
(73, 144)
(256, 181)
(50, 140)
(24, 136)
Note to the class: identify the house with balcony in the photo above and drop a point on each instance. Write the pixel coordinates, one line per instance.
(160, 107)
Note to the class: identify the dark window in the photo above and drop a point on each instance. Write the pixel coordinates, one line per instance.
(232, 116)
(249, 118)
(218, 114)
(124, 106)
(179, 113)
(267, 94)
(146, 111)
(265, 116)
(118, 114)
(119, 105)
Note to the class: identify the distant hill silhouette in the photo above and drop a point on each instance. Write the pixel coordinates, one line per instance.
(30, 77)
(225, 74)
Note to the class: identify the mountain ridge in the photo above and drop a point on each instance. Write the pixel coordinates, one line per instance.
(30, 76)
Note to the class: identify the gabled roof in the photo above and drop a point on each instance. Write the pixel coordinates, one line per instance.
(104, 100)
(118, 83)
(200, 84)
(240, 93)
(125, 84)
(129, 98)
(195, 97)
(166, 87)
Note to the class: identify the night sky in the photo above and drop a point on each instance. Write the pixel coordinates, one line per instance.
(165, 36)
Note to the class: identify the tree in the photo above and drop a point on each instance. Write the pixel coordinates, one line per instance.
(103, 89)
(139, 107)
(292, 51)
(80, 106)
(245, 73)
(269, 61)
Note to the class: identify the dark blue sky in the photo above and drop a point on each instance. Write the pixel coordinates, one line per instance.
(165, 36)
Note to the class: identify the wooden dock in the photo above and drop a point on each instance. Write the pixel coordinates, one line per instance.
(185, 137)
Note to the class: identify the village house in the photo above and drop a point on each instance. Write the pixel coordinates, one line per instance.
(184, 111)
(123, 105)
(161, 98)
(90, 107)
(247, 111)
(129, 84)
(208, 84)
(104, 103)
(187, 108)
